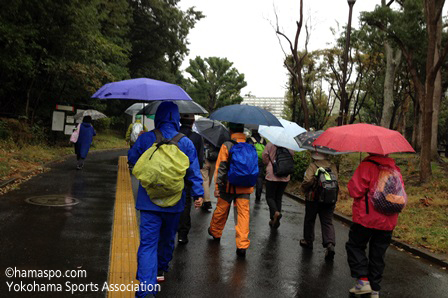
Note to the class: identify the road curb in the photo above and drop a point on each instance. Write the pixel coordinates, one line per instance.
(59, 159)
(441, 260)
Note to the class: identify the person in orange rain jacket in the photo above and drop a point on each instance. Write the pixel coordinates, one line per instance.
(227, 193)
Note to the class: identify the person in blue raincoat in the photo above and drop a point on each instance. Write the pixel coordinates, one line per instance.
(158, 225)
(85, 138)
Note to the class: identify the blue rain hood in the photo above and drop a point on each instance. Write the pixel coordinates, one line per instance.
(167, 112)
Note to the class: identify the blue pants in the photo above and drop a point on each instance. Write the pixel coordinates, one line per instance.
(157, 235)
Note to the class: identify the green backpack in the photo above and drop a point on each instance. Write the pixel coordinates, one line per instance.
(161, 170)
(259, 147)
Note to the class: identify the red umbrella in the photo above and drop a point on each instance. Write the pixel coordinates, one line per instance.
(364, 137)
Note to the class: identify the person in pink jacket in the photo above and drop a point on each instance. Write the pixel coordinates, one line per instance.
(369, 226)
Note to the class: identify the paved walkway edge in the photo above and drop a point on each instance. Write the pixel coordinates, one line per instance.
(125, 236)
(441, 260)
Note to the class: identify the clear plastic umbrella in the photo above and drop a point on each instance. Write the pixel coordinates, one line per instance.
(135, 108)
(92, 113)
(283, 136)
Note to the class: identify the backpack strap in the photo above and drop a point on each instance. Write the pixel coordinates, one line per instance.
(367, 194)
(374, 162)
(175, 140)
(160, 140)
(159, 135)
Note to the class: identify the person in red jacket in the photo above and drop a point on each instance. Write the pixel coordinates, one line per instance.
(369, 227)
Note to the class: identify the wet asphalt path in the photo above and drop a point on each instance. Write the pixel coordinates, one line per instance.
(78, 237)
(61, 238)
(277, 266)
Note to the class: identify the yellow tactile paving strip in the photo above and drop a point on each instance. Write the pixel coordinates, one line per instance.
(125, 237)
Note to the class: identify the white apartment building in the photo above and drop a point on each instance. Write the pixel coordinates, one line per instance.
(274, 105)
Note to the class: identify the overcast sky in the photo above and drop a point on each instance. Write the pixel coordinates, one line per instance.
(241, 31)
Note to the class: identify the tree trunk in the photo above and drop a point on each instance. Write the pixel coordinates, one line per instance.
(391, 66)
(437, 96)
(428, 97)
(417, 132)
(301, 89)
(401, 123)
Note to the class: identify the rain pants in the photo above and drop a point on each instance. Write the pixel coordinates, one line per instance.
(85, 138)
(158, 225)
(227, 193)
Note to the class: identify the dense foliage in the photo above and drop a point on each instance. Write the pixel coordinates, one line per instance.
(214, 83)
(62, 51)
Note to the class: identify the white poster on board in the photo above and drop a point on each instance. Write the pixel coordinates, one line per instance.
(69, 129)
(58, 121)
(70, 119)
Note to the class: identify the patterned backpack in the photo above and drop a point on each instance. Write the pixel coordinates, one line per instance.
(389, 196)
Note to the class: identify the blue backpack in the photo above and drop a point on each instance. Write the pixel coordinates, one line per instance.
(243, 165)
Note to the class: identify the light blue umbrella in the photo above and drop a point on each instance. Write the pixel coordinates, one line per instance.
(283, 136)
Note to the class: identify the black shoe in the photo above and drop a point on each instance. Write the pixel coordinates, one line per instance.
(182, 239)
(206, 206)
(276, 220)
(214, 238)
(305, 244)
(241, 252)
(160, 276)
(329, 253)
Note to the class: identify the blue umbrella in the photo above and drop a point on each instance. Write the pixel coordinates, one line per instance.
(245, 114)
(141, 89)
(185, 106)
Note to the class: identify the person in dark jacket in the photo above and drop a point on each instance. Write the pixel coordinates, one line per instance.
(314, 208)
(256, 138)
(187, 121)
(85, 138)
(369, 227)
(158, 225)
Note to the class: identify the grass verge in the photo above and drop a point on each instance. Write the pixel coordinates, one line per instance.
(18, 162)
(424, 222)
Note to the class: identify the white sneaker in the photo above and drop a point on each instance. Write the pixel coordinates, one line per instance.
(361, 287)
(375, 294)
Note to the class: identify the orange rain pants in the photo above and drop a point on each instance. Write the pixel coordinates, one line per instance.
(241, 215)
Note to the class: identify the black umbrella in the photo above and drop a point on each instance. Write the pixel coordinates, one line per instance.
(185, 106)
(245, 114)
(213, 131)
(305, 141)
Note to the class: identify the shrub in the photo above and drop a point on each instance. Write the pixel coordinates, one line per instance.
(102, 124)
(301, 162)
(118, 122)
(40, 134)
(18, 131)
(4, 132)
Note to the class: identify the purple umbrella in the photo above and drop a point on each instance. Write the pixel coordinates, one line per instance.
(141, 89)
